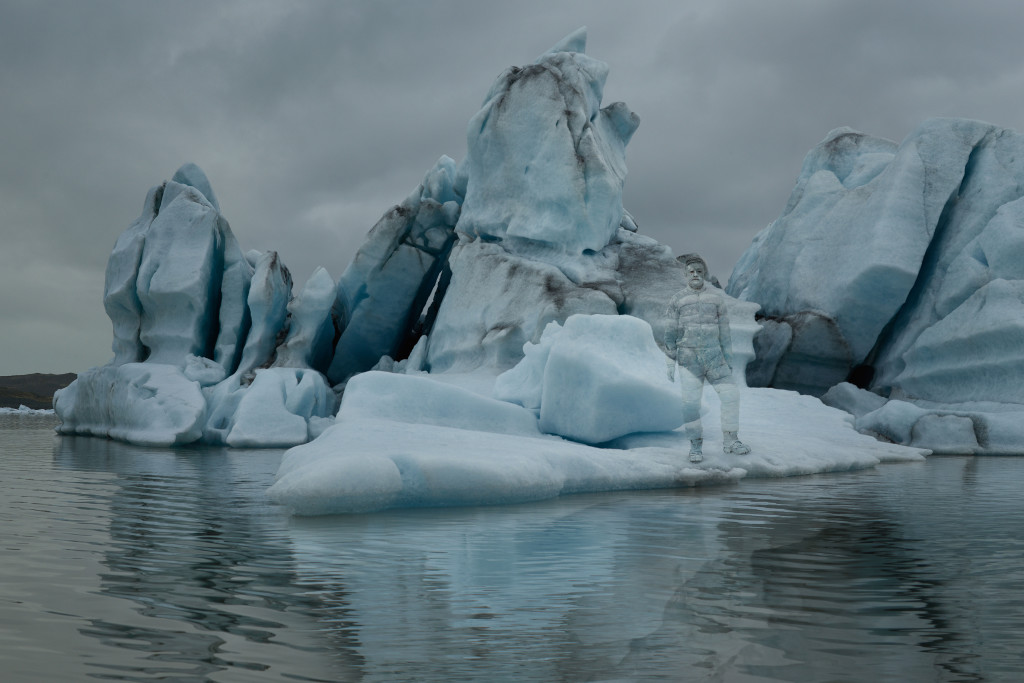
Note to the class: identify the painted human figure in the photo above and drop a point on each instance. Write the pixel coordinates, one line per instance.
(697, 338)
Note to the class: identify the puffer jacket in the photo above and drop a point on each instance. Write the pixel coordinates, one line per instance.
(697, 330)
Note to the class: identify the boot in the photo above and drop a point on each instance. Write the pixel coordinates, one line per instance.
(695, 450)
(732, 444)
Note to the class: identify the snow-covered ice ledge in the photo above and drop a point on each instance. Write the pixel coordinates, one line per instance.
(423, 440)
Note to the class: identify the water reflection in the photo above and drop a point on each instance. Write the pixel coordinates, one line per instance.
(195, 546)
(551, 591)
(803, 580)
(182, 571)
(850, 577)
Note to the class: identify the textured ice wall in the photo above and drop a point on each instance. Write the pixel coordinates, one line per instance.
(880, 242)
(900, 268)
(542, 134)
(194, 323)
(382, 293)
(542, 214)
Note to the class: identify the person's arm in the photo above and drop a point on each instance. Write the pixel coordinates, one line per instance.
(671, 338)
(724, 333)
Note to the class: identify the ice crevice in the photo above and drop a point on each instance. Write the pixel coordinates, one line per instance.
(925, 275)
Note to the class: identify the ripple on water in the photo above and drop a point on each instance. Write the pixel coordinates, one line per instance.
(145, 564)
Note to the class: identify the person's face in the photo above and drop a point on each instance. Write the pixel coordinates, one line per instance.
(695, 275)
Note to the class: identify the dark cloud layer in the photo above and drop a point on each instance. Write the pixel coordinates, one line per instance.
(312, 118)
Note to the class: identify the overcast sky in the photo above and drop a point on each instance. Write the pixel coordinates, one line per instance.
(311, 118)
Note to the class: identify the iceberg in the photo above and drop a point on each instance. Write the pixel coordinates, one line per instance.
(494, 340)
(496, 302)
(541, 133)
(430, 450)
(384, 290)
(898, 268)
(278, 408)
(150, 404)
(542, 220)
(313, 323)
(594, 379)
(267, 301)
(25, 410)
(120, 298)
(554, 304)
(195, 322)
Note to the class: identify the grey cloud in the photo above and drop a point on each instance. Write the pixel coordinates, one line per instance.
(312, 118)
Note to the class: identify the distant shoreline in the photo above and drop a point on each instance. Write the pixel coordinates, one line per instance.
(32, 391)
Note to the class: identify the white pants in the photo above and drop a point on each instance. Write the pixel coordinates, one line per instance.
(692, 385)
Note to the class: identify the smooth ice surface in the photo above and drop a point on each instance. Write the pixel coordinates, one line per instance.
(851, 244)
(975, 353)
(856, 401)
(193, 176)
(365, 462)
(120, 294)
(268, 298)
(594, 379)
(234, 317)
(143, 403)
(420, 399)
(203, 370)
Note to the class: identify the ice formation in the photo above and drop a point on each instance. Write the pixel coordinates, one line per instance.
(152, 404)
(542, 133)
(493, 328)
(195, 322)
(594, 379)
(541, 220)
(310, 340)
(383, 291)
(901, 269)
(430, 450)
(25, 410)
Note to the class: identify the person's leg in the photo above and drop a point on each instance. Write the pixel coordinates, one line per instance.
(729, 394)
(692, 387)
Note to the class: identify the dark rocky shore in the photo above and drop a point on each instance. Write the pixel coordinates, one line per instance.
(34, 391)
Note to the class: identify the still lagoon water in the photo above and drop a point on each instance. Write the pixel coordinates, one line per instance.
(135, 564)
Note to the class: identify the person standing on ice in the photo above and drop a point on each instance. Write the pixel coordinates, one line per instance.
(697, 337)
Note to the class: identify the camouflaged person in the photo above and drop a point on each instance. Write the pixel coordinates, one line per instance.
(697, 338)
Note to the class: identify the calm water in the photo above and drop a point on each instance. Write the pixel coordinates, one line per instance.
(133, 564)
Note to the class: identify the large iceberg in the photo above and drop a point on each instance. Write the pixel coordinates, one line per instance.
(442, 444)
(495, 339)
(554, 304)
(195, 322)
(539, 225)
(900, 268)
